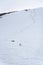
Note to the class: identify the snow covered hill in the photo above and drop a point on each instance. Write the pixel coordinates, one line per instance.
(21, 37)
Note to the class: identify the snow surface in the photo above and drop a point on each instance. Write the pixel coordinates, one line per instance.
(21, 38)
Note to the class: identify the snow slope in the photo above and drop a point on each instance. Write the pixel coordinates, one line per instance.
(21, 37)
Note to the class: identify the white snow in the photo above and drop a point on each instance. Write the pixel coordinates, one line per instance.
(26, 29)
(1, 63)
